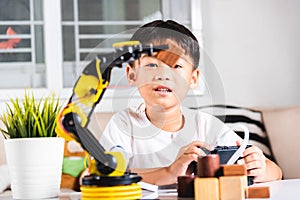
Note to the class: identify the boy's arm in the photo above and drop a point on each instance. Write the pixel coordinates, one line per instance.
(156, 176)
(164, 175)
(168, 175)
(257, 165)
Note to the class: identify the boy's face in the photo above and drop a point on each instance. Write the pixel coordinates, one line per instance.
(164, 79)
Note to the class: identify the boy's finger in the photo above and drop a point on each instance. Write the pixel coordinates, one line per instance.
(252, 149)
(194, 150)
(255, 172)
(241, 162)
(203, 144)
(254, 165)
(239, 143)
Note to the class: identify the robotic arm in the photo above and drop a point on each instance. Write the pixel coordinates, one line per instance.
(87, 93)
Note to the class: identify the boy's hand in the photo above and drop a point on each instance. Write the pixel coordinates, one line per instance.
(193, 147)
(255, 162)
(186, 155)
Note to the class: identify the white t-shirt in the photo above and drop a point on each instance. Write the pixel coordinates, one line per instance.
(147, 146)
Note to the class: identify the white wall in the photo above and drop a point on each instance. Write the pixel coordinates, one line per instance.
(255, 47)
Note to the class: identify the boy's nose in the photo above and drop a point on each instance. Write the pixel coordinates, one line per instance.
(163, 73)
(161, 77)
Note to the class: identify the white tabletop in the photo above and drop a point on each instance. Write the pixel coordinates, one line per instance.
(284, 189)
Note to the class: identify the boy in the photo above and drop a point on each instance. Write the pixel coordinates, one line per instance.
(160, 137)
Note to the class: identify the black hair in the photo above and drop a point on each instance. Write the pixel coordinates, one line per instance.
(160, 31)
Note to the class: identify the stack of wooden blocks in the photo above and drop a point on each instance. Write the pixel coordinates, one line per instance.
(222, 182)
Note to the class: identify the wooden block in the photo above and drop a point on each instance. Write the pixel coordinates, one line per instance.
(258, 192)
(245, 184)
(232, 170)
(208, 165)
(185, 186)
(232, 187)
(206, 188)
(169, 57)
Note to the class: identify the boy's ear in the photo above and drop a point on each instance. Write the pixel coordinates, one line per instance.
(131, 74)
(195, 78)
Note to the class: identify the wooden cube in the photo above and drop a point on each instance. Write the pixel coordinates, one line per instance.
(185, 186)
(232, 187)
(206, 188)
(258, 192)
(169, 57)
(232, 170)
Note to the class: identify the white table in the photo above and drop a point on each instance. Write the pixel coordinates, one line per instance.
(284, 189)
(280, 190)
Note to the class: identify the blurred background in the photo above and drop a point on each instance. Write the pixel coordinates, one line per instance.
(250, 48)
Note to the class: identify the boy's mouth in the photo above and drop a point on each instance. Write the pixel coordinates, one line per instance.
(162, 90)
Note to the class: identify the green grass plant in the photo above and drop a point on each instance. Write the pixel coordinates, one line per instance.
(30, 118)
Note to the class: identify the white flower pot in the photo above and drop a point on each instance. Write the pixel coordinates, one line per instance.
(35, 166)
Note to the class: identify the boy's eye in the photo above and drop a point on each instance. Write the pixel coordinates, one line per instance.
(177, 66)
(151, 65)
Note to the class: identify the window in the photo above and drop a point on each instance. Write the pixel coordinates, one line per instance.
(90, 23)
(21, 44)
(53, 38)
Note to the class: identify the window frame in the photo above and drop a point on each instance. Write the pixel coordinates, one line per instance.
(54, 75)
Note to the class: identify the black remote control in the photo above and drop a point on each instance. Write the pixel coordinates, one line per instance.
(225, 152)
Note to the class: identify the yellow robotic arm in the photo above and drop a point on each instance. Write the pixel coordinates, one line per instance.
(87, 93)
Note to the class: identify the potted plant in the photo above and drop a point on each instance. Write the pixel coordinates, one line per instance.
(34, 153)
